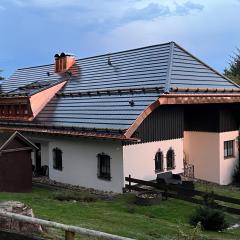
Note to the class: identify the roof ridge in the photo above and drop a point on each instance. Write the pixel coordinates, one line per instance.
(102, 55)
(206, 65)
(169, 70)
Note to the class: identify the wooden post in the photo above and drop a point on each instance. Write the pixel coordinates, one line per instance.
(129, 182)
(166, 192)
(69, 235)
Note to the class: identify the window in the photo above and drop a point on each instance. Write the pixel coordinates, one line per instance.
(158, 161)
(57, 159)
(170, 159)
(104, 166)
(228, 149)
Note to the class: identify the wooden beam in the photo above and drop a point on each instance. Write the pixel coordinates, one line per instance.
(69, 235)
(64, 227)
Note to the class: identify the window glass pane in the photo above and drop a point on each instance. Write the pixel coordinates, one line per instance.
(228, 148)
(225, 152)
(57, 159)
(104, 166)
(159, 161)
(170, 159)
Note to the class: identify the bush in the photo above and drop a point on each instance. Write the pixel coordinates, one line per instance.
(210, 219)
(209, 200)
(193, 234)
(74, 196)
(236, 175)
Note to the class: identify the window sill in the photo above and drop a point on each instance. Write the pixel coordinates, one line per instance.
(104, 178)
(229, 157)
(172, 168)
(159, 171)
(56, 169)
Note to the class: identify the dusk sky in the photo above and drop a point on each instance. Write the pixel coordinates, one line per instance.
(32, 31)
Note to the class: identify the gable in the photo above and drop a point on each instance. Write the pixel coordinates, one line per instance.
(165, 122)
(14, 141)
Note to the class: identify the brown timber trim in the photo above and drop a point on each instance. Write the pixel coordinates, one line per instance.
(69, 133)
(17, 149)
(204, 90)
(184, 98)
(13, 100)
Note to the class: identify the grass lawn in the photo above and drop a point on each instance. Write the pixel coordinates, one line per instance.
(121, 216)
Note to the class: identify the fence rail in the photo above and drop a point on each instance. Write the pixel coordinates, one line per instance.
(70, 231)
(182, 193)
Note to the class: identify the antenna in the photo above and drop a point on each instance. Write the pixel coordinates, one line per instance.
(109, 61)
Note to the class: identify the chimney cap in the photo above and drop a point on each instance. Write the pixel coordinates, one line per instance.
(63, 54)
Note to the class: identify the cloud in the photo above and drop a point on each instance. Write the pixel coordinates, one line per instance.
(87, 28)
(108, 11)
(213, 43)
(187, 7)
(151, 11)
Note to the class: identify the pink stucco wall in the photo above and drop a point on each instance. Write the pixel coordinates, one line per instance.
(227, 165)
(206, 152)
(138, 159)
(202, 150)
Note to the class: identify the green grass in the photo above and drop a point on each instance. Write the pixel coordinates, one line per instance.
(121, 216)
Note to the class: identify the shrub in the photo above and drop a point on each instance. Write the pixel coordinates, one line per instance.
(236, 175)
(193, 234)
(74, 196)
(209, 200)
(210, 219)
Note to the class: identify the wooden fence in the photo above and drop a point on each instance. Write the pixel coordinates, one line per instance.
(70, 231)
(182, 193)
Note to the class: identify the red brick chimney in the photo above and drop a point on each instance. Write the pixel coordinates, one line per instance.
(63, 62)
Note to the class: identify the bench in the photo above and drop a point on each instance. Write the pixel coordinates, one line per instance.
(169, 178)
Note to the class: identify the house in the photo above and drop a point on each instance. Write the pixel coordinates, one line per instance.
(15, 163)
(143, 111)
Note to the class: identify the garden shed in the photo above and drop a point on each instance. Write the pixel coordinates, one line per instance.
(15, 162)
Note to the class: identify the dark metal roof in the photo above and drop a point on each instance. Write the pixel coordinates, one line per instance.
(104, 96)
(112, 112)
(189, 72)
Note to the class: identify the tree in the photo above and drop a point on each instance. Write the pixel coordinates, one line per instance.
(233, 71)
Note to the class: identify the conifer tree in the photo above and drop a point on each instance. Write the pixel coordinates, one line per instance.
(233, 70)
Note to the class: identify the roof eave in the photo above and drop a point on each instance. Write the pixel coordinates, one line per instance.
(120, 137)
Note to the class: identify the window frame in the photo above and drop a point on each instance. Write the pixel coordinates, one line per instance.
(173, 166)
(229, 149)
(56, 164)
(106, 174)
(160, 161)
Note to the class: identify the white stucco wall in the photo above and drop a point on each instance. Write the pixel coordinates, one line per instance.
(138, 159)
(44, 153)
(206, 152)
(80, 163)
(44, 150)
